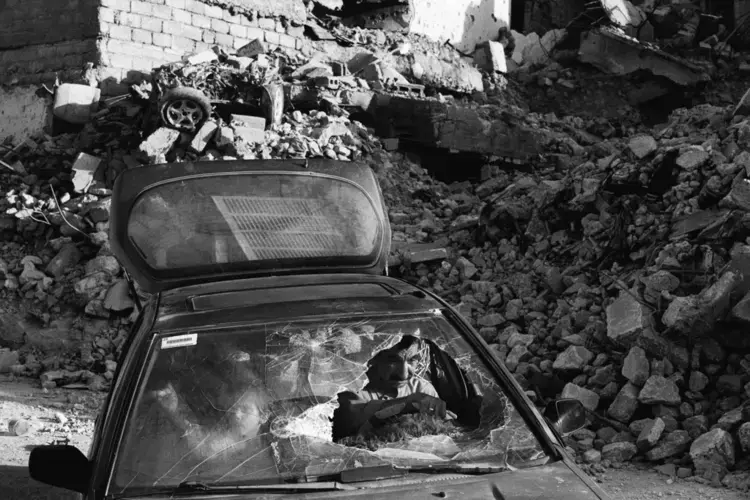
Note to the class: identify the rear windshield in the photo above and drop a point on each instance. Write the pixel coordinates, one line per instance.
(226, 221)
(266, 404)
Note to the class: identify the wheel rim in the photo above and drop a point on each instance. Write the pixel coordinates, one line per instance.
(183, 114)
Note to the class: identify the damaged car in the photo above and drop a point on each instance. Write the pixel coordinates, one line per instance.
(275, 357)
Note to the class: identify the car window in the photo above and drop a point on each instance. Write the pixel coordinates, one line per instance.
(282, 402)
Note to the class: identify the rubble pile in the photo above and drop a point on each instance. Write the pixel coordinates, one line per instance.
(611, 268)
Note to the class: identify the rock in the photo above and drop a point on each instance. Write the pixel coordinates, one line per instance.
(203, 136)
(103, 264)
(692, 159)
(713, 454)
(698, 381)
(66, 258)
(730, 420)
(743, 436)
(642, 146)
(682, 314)
(589, 399)
(118, 297)
(695, 425)
(650, 435)
(574, 358)
(158, 144)
(516, 355)
(252, 49)
(659, 390)
(674, 443)
(729, 384)
(493, 319)
(625, 404)
(517, 338)
(627, 319)
(684, 472)
(636, 366)
(669, 470)
(592, 456)
(619, 452)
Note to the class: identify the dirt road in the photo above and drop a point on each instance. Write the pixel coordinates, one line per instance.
(61, 414)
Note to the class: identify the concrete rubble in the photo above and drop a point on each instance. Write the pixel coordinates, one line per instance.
(602, 259)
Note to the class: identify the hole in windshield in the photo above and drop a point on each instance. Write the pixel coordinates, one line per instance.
(295, 401)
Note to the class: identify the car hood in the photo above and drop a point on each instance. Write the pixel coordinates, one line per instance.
(187, 223)
(555, 481)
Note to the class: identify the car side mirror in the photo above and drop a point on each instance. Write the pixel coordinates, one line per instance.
(63, 466)
(566, 415)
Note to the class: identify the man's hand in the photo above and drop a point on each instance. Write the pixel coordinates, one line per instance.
(429, 405)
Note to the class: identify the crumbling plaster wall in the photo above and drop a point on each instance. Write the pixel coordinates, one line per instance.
(465, 23)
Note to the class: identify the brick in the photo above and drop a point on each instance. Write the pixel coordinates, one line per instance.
(172, 27)
(138, 7)
(267, 23)
(214, 11)
(107, 14)
(239, 31)
(203, 136)
(286, 41)
(272, 37)
(121, 61)
(181, 16)
(255, 33)
(238, 43)
(279, 28)
(192, 32)
(219, 26)
(151, 24)
(129, 20)
(142, 36)
(295, 31)
(162, 11)
(183, 44)
(104, 27)
(176, 4)
(201, 21)
(231, 18)
(120, 32)
(209, 37)
(224, 40)
(245, 21)
(195, 7)
(123, 5)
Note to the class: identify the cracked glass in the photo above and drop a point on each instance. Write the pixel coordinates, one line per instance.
(257, 404)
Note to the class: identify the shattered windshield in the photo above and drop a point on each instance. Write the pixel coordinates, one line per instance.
(295, 401)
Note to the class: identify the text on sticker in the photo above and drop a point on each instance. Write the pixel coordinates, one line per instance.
(179, 341)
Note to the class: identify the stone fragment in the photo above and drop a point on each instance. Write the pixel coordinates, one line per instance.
(642, 146)
(201, 57)
(516, 355)
(650, 435)
(203, 136)
(635, 367)
(589, 399)
(252, 49)
(695, 425)
(519, 338)
(658, 389)
(684, 472)
(490, 56)
(625, 403)
(627, 319)
(118, 297)
(66, 259)
(592, 456)
(8, 359)
(574, 358)
(730, 420)
(674, 443)
(239, 62)
(713, 454)
(697, 382)
(669, 470)
(158, 144)
(692, 159)
(84, 169)
(619, 452)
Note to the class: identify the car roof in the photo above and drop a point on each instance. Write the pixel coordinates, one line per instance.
(272, 299)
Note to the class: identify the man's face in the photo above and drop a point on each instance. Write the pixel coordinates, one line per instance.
(396, 366)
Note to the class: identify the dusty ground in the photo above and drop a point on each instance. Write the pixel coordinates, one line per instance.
(23, 398)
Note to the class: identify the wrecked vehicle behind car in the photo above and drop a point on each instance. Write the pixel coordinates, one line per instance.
(270, 300)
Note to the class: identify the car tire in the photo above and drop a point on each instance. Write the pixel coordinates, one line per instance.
(184, 109)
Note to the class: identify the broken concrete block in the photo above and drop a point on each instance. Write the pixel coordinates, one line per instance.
(257, 122)
(623, 13)
(76, 103)
(642, 146)
(252, 49)
(627, 319)
(203, 137)
(224, 137)
(251, 129)
(490, 56)
(239, 62)
(158, 144)
(84, 169)
(201, 57)
(537, 50)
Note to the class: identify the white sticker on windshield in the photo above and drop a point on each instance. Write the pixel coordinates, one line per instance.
(179, 341)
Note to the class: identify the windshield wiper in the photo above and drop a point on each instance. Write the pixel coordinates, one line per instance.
(380, 472)
(192, 487)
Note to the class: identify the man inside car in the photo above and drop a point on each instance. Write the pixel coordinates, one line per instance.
(393, 389)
